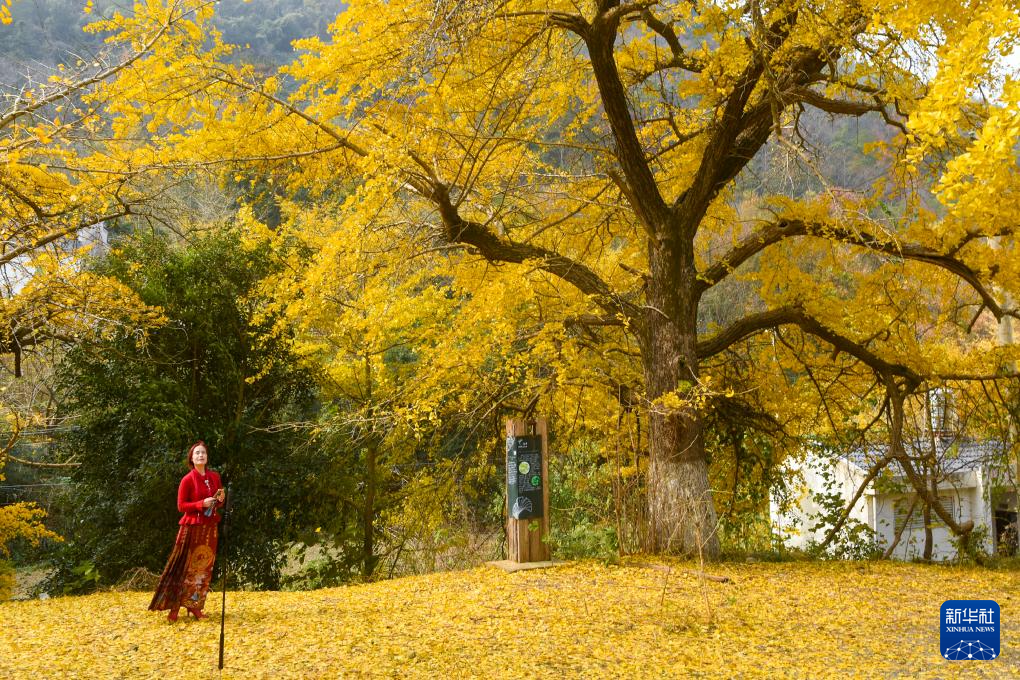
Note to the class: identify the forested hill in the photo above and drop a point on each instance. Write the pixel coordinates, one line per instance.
(45, 32)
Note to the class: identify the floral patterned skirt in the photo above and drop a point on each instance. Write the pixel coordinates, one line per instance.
(188, 573)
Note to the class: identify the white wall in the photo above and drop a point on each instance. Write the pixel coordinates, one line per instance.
(878, 511)
(795, 526)
(911, 543)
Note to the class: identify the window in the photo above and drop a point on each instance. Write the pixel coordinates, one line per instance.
(917, 519)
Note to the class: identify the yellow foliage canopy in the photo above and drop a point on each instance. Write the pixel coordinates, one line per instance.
(450, 166)
(24, 521)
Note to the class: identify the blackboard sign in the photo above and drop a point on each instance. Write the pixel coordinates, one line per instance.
(524, 476)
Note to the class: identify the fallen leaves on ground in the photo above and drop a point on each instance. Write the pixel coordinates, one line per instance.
(639, 619)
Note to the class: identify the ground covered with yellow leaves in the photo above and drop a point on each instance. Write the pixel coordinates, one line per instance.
(639, 619)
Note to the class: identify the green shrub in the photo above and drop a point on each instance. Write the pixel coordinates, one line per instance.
(583, 521)
(210, 372)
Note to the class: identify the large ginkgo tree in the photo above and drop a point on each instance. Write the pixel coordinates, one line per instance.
(603, 158)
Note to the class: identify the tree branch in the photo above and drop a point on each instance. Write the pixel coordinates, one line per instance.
(498, 249)
(680, 57)
(896, 398)
(747, 248)
(845, 514)
(837, 106)
(33, 463)
(736, 135)
(774, 232)
(601, 39)
(68, 90)
(56, 235)
(795, 316)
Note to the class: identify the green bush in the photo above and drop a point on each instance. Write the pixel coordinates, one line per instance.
(320, 572)
(583, 521)
(971, 546)
(855, 540)
(211, 372)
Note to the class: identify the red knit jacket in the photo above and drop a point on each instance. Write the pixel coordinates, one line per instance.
(194, 489)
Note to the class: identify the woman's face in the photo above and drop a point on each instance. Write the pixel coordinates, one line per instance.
(199, 456)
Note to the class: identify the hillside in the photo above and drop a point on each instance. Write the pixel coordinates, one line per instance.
(580, 620)
(47, 32)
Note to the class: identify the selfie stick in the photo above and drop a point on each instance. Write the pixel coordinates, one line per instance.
(223, 552)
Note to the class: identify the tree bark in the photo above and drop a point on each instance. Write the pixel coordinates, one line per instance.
(681, 511)
(929, 470)
(928, 538)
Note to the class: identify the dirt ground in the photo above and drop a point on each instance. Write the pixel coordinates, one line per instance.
(26, 579)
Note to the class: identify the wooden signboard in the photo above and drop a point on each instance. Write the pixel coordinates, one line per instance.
(527, 506)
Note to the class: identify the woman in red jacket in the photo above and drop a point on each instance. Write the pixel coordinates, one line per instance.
(187, 575)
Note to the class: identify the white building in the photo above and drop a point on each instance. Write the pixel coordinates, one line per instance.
(967, 490)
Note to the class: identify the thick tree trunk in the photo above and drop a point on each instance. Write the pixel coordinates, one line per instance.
(681, 510)
(680, 507)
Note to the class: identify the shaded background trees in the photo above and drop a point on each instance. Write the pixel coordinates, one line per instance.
(136, 401)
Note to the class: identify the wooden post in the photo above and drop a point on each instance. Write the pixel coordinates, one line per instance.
(525, 544)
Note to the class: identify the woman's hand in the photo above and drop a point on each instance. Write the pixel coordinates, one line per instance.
(211, 500)
(220, 495)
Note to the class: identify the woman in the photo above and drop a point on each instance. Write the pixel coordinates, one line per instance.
(186, 578)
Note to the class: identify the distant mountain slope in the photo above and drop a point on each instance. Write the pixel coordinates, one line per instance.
(45, 32)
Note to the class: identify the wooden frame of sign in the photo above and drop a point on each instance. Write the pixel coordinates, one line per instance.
(524, 543)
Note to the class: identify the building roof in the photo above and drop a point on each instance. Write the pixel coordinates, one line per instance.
(953, 454)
